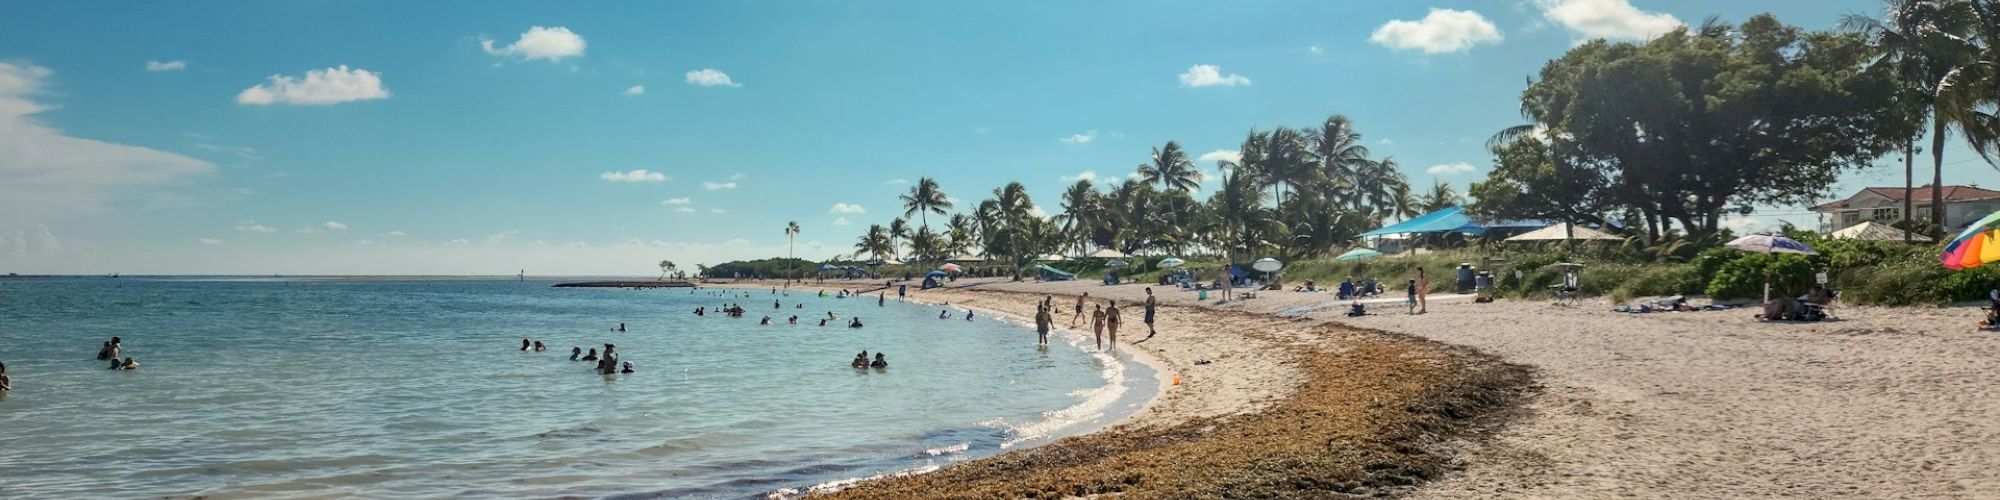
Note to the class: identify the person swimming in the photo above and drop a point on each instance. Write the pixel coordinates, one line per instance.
(628, 368)
(592, 356)
(860, 360)
(968, 315)
(829, 315)
(944, 314)
(793, 320)
(6, 384)
(131, 364)
(856, 323)
(697, 312)
(575, 352)
(621, 326)
(822, 322)
(539, 347)
(766, 321)
(117, 364)
(104, 353)
(524, 344)
(879, 362)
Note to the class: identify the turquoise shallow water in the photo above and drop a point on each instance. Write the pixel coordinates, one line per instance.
(272, 388)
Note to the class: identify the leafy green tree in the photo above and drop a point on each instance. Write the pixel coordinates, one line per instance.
(1440, 197)
(960, 235)
(1695, 125)
(666, 266)
(1528, 182)
(1171, 169)
(876, 243)
(1341, 155)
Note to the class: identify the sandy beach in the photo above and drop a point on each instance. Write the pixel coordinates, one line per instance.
(1885, 402)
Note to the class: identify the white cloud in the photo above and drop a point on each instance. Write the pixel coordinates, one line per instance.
(174, 65)
(395, 234)
(46, 174)
(1612, 19)
(898, 182)
(718, 186)
(685, 210)
(457, 241)
(635, 90)
(1089, 175)
(1386, 142)
(677, 201)
(840, 221)
(1083, 138)
(497, 238)
(717, 211)
(1450, 168)
(847, 208)
(320, 87)
(538, 42)
(1441, 31)
(1208, 75)
(1315, 49)
(210, 241)
(1228, 155)
(251, 226)
(710, 77)
(639, 175)
(335, 226)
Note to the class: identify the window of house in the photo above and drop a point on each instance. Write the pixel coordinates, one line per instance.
(1848, 218)
(1883, 214)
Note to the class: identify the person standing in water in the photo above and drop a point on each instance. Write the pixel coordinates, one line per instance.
(1111, 320)
(1079, 309)
(881, 299)
(1097, 325)
(104, 353)
(6, 384)
(524, 344)
(1042, 320)
(575, 352)
(879, 362)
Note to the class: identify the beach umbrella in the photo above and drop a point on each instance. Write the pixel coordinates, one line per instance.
(1871, 231)
(1108, 254)
(950, 268)
(1117, 264)
(934, 274)
(828, 267)
(1769, 243)
(1359, 254)
(1267, 264)
(1975, 246)
(1171, 262)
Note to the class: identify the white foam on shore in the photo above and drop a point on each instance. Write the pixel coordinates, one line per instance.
(949, 450)
(841, 484)
(1092, 403)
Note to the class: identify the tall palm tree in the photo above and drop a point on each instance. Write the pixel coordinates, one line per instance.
(791, 239)
(1171, 169)
(926, 246)
(924, 199)
(1375, 183)
(959, 234)
(1923, 39)
(1403, 203)
(1287, 161)
(898, 230)
(1341, 154)
(1012, 209)
(1079, 215)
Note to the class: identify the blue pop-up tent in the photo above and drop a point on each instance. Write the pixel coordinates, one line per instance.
(1449, 220)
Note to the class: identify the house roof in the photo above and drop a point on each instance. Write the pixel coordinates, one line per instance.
(1921, 193)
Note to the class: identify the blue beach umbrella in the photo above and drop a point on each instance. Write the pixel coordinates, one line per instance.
(828, 267)
(1769, 243)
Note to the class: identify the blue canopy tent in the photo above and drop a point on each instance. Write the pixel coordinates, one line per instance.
(1449, 220)
(1053, 274)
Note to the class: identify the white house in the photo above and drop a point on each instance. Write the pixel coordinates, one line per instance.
(1884, 205)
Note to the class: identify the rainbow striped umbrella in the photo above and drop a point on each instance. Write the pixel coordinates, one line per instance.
(1977, 245)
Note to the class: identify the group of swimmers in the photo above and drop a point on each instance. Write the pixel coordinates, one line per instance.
(736, 310)
(861, 361)
(946, 314)
(607, 364)
(113, 350)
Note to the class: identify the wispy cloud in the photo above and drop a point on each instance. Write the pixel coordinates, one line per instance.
(710, 77)
(1442, 31)
(503, 236)
(718, 186)
(209, 241)
(840, 221)
(677, 201)
(1229, 155)
(847, 208)
(334, 226)
(1088, 176)
(46, 174)
(685, 210)
(1450, 168)
(319, 87)
(552, 44)
(251, 226)
(1613, 19)
(1083, 138)
(638, 175)
(635, 90)
(717, 211)
(174, 65)
(1209, 75)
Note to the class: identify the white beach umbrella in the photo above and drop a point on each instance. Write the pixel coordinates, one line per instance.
(1171, 262)
(1267, 264)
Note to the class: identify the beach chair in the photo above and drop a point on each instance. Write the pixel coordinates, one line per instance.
(1567, 292)
(1812, 311)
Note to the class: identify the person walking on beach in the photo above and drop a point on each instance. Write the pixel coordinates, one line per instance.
(1152, 304)
(1079, 309)
(1111, 320)
(1412, 300)
(1042, 320)
(1423, 291)
(1097, 325)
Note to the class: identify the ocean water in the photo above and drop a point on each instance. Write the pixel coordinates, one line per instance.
(378, 388)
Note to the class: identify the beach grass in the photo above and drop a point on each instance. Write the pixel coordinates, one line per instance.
(1377, 414)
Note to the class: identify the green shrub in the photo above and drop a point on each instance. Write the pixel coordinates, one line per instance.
(1744, 277)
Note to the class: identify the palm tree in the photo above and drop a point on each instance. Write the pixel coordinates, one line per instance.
(1924, 40)
(1403, 203)
(959, 234)
(875, 243)
(1080, 210)
(925, 198)
(1012, 207)
(1341, 154)
(1375, 183)
(1171, 169)
(1440, 197)
(926, 246)
(666, 266)
(1287, 161)
(898, 230)
(791, 238)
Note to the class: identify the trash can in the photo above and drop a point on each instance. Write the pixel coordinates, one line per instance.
(1465, 274)
(1483, 281)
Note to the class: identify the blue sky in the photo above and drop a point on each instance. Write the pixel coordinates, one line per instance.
(477, 137)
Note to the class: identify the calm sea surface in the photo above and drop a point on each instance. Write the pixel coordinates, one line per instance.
(272, 388)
